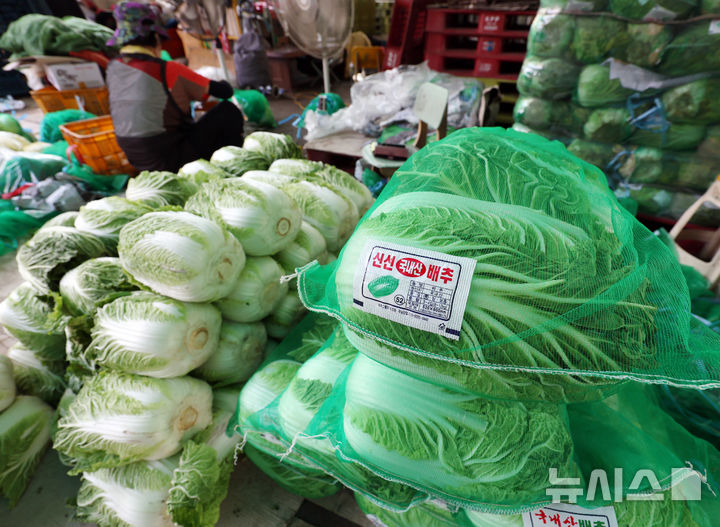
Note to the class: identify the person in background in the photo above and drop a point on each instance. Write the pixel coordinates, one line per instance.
(150, 98)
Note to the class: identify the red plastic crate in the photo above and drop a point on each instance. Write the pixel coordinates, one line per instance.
(407, 33)
(466, 65)
(479, 44)
(478, 22)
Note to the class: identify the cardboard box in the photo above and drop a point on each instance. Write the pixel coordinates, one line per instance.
(69, 76)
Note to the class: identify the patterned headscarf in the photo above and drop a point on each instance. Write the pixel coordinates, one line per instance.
(135, 20)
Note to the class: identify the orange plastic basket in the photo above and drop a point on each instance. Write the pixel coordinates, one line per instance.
(93, 142)
(94, 100)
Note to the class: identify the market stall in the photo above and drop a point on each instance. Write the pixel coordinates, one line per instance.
(473, 332)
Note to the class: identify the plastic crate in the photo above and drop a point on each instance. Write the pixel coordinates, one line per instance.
(93, 142)
(94, 100)
(479, 22)
(470, 64)
(407, 33)
(480, 44)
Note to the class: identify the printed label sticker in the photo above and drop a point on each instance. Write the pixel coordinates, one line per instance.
(566, 515)
(423, 289)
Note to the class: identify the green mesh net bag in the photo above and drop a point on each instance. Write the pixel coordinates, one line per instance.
(273, 424)
(51, 123)
(558, 278)
(399, 441)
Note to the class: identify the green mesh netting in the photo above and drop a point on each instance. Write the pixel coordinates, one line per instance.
(399, 441)
(51, 123)
(566, 281)
(256, 108)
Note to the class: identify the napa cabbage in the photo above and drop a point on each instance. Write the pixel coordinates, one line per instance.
(308, 245)
(36, 376)
(93, 283)
(201, 171)
(160, 189)
(120, 418)
(595, 37)
(323, 205)
(308, 484)
(263, 218)
(235, 161)
(696, 102)
(238, 354)
(596, 88)
(25, 428)
(643, 44)
(153, 335)
(608, 125)
(66, 219)
(551, 34)
(53, 251)
(36, 320)
(7, 383)
(272, 146)
(427, 514)
(181, 255)
(105, 217)
(531, 269)
(289, 311)
(350, 187)
(450, 442)
(547, 78)
(257, 291)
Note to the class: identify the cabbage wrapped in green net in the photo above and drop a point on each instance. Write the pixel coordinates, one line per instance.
(608, 125)
(547, 78)
(550, 35)
(697, 172)
(676, 137)
(598, 154)
(311, 485)
(697, 102)
(695, 49)
(649, 165)
(643, 44)
(596, 88)
(425, 514)
(650, 199)
(709, 6)
(653, 9)
(574, 5)
(472, 180)
(595, 37)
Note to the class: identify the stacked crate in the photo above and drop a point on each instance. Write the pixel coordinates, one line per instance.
(480, 43)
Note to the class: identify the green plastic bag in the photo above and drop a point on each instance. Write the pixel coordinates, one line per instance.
(256, 108)
(50, 126)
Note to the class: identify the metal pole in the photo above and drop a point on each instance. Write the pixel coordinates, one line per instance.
(221, 60)
(326, 74)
